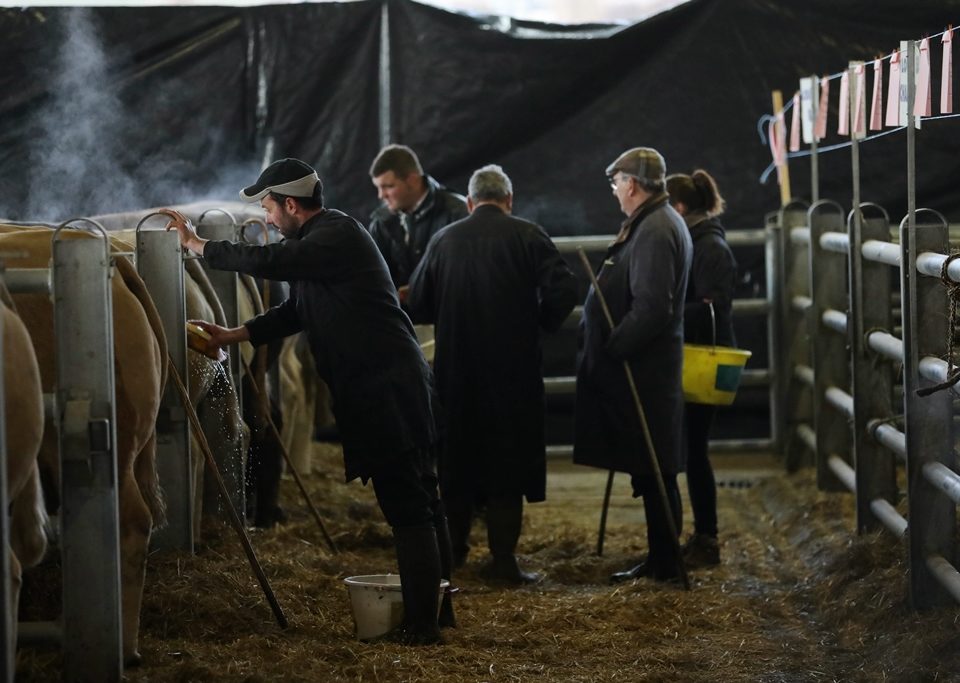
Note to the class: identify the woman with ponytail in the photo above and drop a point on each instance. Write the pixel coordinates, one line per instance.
(711, 284)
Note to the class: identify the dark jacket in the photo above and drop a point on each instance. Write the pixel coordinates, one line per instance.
(440, 208)
(644, 281)
(362, 342)
(713, 276)
(491, 282)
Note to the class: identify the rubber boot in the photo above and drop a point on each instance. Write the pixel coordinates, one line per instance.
(418, 560)
(459, 515)
(504, 518)
(446, 618)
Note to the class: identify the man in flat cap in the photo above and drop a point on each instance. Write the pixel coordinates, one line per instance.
(644, 280)
(415, 207)
(364, 348)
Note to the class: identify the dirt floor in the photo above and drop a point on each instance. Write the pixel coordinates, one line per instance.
(798, 597)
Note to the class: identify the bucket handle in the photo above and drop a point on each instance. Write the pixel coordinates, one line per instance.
(713, 324)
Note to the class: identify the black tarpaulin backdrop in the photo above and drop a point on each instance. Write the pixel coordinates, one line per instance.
(185, 103)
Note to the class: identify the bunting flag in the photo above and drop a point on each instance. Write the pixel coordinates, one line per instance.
(946, 75)
(876, 103)
(921, 102)
(795, 125)
(859, 101)
(820, 128)
(843, 125)
(778, 146)
(893, 90)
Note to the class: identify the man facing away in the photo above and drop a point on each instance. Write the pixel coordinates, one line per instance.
(415, 207)
(490, 283)
(365, 350)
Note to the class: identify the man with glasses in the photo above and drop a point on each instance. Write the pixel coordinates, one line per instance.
(644, 281)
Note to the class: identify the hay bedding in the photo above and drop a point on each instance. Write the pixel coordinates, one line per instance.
(797, 598)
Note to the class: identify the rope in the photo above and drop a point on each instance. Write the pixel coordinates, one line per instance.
(953, 298)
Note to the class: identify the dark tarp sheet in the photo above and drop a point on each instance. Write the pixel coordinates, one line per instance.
(110, 109)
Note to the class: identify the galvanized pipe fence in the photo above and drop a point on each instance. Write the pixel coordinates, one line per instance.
(842, 359)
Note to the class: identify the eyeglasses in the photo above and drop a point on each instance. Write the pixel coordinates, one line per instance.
(614, 179)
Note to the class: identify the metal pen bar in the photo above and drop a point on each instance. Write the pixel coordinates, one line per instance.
(801, 303)
(840, 400)
(946, 574)
(889, 436)
(27, 280)
(886, 345)
(804, 373)
(843, 471)
(807, 436)
(889, 517)
(931, 263)
(836, 242)
(881, 252)
(835, 320)
(800, 235)
(944, 479)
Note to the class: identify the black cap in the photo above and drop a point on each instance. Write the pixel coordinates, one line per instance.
(290, 177)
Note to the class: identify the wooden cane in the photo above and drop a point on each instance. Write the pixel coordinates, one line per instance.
(286, 456)
(232, 516)
(603, 514)
(654, 463)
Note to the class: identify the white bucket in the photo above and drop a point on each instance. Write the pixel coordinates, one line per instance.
(377, 603)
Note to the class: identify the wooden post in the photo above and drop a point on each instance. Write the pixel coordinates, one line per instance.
(783, 170)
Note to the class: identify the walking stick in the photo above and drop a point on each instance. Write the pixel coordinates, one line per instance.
(603, 514)
(261, 396)
(654, 463)
(232, 516)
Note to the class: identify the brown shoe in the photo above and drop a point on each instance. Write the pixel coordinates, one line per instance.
(701, 550)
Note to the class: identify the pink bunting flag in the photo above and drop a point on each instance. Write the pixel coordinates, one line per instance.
(921, 103)
(820, 127)
(843, 125)
(876, 104)
(893, 90)
(860, 101)
(778, 146)
(946, 74)
(795, 125)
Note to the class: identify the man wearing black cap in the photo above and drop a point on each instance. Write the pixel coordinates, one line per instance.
(364, 348)
(644, 282)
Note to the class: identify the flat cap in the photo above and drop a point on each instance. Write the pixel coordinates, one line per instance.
(640, 162)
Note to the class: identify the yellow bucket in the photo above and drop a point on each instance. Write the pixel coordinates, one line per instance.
(711, 374)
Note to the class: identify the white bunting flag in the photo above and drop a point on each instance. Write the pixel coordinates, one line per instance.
(921, 102)
(876, 102)
(843, 125)
(795, 125)
(946, 74)
(806, 107)
(893, 90)
(820, 129)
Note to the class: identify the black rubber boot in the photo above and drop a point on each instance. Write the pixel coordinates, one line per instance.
(446, 618)
(418, 560)
(504, 518)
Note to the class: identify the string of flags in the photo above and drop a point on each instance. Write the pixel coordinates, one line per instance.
(809, 105)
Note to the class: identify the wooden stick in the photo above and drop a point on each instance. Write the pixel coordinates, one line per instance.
(651, 452)
(225, 495)
(781, 128)
(603, 514)
(286, 457)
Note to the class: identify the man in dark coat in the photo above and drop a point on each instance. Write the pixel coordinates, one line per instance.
(644, 281)
(415, 207)
(365, 350)
(490, 283)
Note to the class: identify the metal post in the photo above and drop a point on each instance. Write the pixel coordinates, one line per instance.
(9, 620)
(772, 271)
(870, 289)
(929, 431)
(159, 262)
(830, 361)
(89, 520)
(814, 148)
(793, 344)
(225, 284)
(386, 133)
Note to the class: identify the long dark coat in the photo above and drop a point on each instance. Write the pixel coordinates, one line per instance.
(644, 280)
(362, 342)
(713, 276)
(490, 283)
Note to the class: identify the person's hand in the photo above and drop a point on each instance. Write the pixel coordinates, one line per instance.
(188, 234)
(402, 293)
